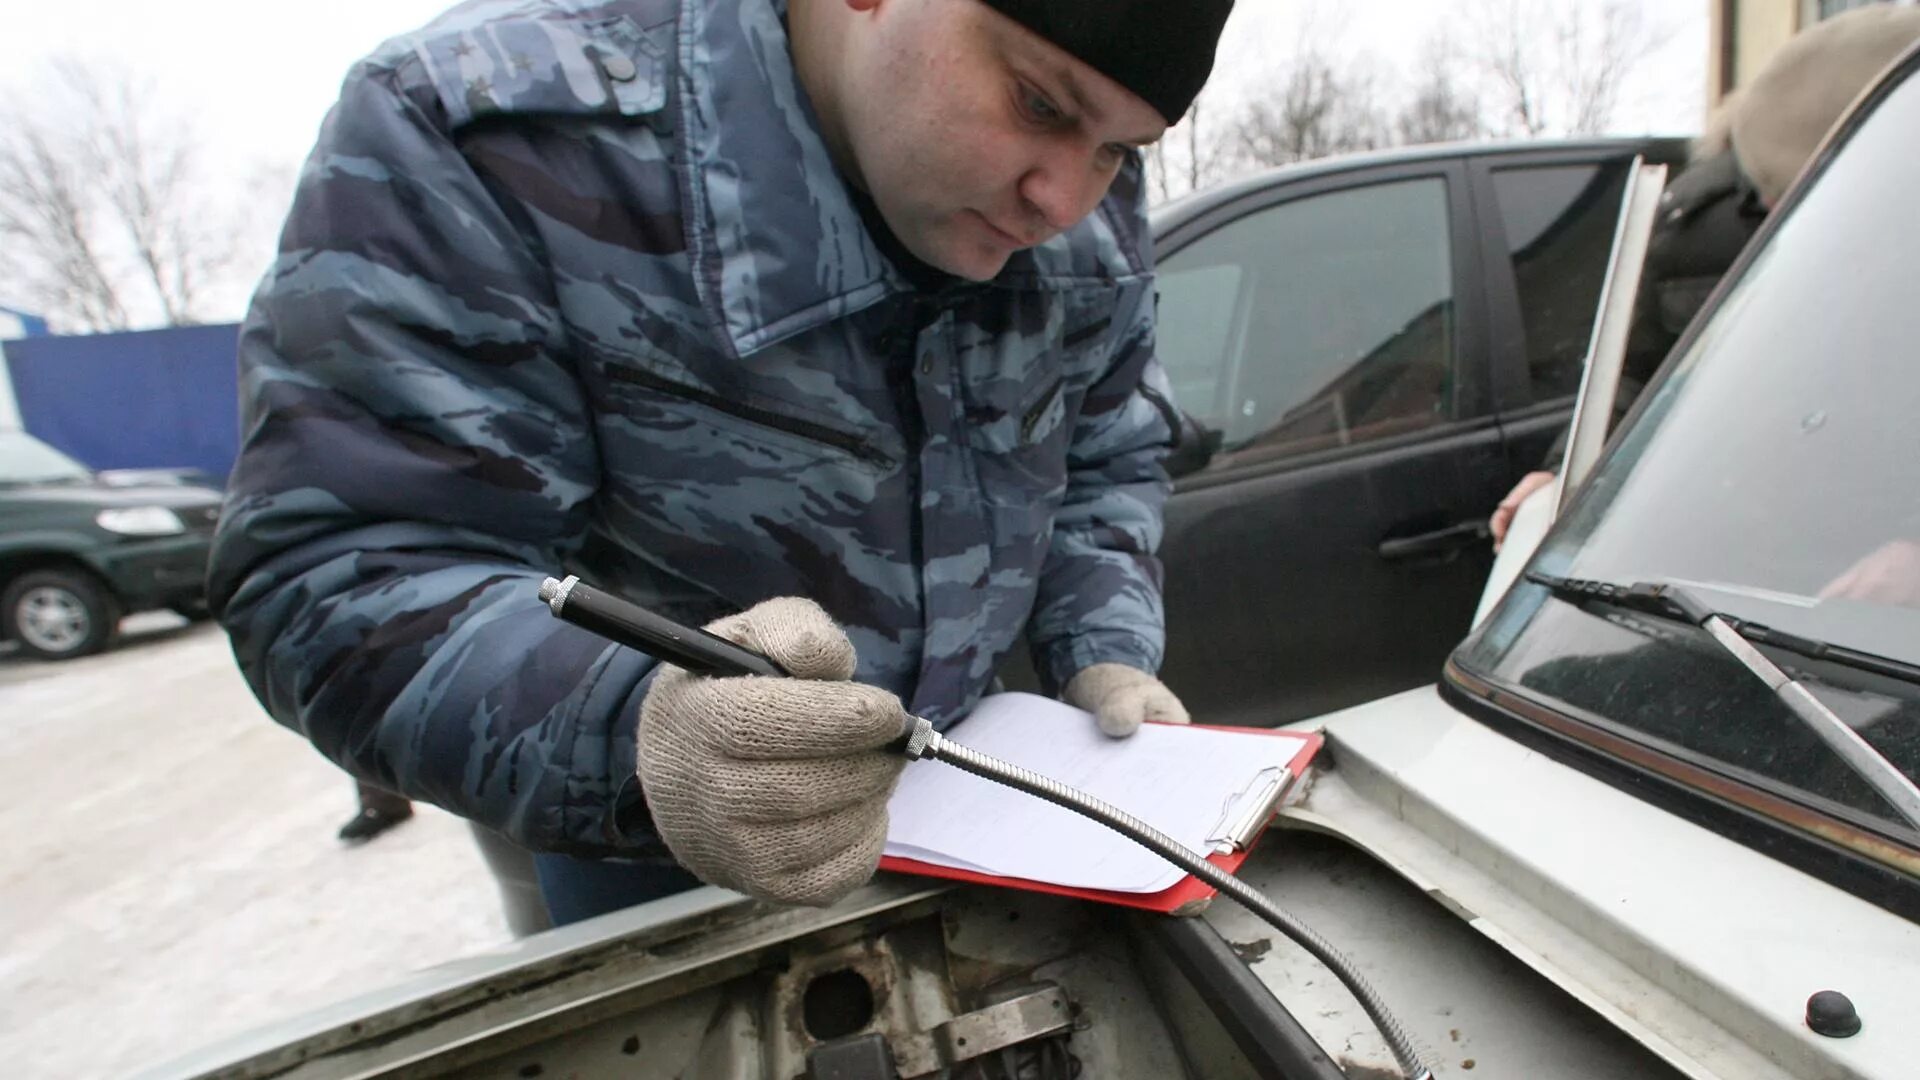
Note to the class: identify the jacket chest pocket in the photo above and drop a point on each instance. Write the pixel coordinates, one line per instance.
(1023, 389)
(1020, 436)
(755, 433)
(731, 491)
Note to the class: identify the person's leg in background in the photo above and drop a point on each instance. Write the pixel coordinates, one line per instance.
(513, 873)
(380, 810)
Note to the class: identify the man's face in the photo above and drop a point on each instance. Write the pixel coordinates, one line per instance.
(975, 136)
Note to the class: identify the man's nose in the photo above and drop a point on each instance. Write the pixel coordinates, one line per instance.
(1063, 186)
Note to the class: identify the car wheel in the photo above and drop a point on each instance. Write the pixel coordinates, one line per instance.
(59, 614)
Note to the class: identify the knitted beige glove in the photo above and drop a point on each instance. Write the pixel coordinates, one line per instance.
(1120, 698)
(774, 787)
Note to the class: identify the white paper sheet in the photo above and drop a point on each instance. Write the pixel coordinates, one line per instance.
(1183, 781)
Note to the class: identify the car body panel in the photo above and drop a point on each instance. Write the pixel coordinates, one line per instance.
(662, 977)
(1473, 1009)
(1278, 577)
(47, 523)
(158, 478)
(1702, 952)
(1707, 951)
(1277, 586)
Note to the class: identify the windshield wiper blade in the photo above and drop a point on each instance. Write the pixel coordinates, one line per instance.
(1676, 602)
(1737, 636)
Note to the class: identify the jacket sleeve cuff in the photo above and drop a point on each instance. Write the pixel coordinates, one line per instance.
(1060, 661)
(628, 824)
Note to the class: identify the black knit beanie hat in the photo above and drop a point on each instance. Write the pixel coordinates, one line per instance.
(1161, 50)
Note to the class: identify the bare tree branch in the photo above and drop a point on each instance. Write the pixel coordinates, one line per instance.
(107, 219)
(47, 223)
(1555, 68)
(1189, 157)
(1317, 108)
(1527, 68)
(1442, 108)
(1595, 57)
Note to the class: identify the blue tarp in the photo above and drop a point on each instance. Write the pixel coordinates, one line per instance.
(148, 399)
(29, 325)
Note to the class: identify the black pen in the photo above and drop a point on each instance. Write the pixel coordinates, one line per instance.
(626, 623)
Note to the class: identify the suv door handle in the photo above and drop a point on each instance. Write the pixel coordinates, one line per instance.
(1465, 534)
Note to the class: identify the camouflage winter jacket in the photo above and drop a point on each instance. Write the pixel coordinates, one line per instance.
(575, 288)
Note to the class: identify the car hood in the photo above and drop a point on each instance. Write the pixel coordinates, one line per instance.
(101, 496)
(1650, 917)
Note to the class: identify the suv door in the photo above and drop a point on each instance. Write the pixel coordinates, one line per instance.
(1330, 332)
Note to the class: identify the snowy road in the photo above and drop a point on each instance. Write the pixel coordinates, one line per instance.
(170, 874)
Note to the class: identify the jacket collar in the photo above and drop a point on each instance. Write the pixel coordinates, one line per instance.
(777, 244)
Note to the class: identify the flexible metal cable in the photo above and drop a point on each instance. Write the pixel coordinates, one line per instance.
(960, 757)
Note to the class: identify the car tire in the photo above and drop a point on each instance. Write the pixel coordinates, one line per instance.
(59, 614)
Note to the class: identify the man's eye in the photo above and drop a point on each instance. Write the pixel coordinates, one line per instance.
(1041, 109)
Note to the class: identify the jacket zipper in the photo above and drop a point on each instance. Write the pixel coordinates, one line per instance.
(1039, 410)
(753, 414)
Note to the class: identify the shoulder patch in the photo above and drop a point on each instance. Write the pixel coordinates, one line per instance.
(550, 59)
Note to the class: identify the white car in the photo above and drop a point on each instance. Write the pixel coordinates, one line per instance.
(1657, 818)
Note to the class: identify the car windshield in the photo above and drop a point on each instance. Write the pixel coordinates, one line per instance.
(26, 460)
(1776, 472)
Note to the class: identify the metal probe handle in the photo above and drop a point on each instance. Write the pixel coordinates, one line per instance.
(631, 625)
(626, 623)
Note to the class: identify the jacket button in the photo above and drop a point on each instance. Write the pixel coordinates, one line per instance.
(618, 67)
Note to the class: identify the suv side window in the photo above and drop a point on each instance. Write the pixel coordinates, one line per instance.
(1317, 323)
(1559, 222)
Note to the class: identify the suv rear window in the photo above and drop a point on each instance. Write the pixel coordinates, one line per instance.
(1559, 222)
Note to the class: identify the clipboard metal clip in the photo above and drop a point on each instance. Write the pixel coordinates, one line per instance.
(1245, 812)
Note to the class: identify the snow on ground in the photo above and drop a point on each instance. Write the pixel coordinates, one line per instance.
(169, 875)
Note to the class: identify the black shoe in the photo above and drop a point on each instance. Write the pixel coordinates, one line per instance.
(369, 823)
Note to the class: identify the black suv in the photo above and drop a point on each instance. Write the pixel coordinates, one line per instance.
(77, 552)
(1370, 351)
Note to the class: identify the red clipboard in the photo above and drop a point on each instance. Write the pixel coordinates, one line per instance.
(1187, 896)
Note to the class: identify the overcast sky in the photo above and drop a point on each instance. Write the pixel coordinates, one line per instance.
(257, 76)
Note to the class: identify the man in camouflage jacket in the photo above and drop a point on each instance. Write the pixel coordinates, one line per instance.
(599, 288)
